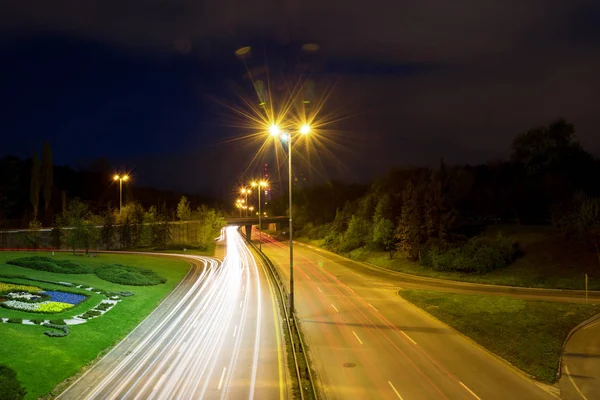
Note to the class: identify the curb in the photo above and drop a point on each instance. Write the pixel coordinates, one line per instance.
(531, 378)
(571, 333)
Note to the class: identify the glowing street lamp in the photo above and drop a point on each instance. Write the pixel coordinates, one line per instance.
(121, 179)
(245, 191)
(258, 185)
(275, 131)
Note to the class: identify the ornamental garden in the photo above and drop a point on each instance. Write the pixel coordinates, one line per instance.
(73, 307)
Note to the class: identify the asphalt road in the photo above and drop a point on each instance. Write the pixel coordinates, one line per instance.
(216, 336)
(368, 343)
(580, 379)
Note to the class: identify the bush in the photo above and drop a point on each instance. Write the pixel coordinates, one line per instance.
(91, 314)
(51, 265)
(10, 387)
(58, 330)
(103, 306)
(473, 256)
(15, 320)
(127, 275)
(37, 321)
(57, 322)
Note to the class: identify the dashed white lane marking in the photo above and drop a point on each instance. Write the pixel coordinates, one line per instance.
(357, 338)
(395, 391)
(234, 331)
(319, 289)
(469, 390)
(241, 303)
(574, 385)
(336, 310)
(222, 376)
(408, 337)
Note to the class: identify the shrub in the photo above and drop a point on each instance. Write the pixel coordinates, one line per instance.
(37, 321)
(15, 321)
(103, 306)
(473, 256)
(127, 275)
(51, 265)
(90, 314)
(10, 387)
(58, 330)
(58, 322)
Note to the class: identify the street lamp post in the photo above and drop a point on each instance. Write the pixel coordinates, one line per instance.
(245, 191)
(275, 131)
(121, 178)
(258, 186)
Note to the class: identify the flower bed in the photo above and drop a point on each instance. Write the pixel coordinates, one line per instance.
(43, 307)
(64, 297)
(9, 287)
(23, 296)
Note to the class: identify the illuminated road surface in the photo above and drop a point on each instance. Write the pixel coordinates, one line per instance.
(367, 343)
(216, 336)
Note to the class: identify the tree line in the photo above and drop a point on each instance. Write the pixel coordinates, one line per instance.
(131, 227)
(425, 213)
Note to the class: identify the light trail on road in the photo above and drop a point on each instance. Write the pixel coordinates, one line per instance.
(208, 345)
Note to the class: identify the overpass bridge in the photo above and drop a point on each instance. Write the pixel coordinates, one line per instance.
(247, 223)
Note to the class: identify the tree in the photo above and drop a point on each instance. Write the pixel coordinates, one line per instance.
(581, 218)
(384, 235)
(383, 209)
(47, 175)
(357, 234)
(439, 213)
(107, 234)
(161, 234)
(35, 184)
(184, 213)
(411, 232)
(34, 237)
(74, 218)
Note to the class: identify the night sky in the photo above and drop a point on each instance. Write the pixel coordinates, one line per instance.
(141, 83)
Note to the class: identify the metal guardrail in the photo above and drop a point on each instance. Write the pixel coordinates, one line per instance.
(298, 347)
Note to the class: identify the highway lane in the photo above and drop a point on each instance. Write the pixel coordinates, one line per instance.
(369, 343)
(216, 336)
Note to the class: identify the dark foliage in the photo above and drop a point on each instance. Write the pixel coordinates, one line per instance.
(10, 387)
(127, 275)
(51, 265)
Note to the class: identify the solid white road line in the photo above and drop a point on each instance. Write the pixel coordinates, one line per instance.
(469, 390)
(357, 338)
(408, 337)
(395, 391)
(573, 382)
(336, 310)
(590, 325)
(222, 376)
(234, 331)
(241, 303)
(373, 307)
(162, 378)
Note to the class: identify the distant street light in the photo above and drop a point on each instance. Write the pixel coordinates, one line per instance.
(275, 131)
(121, 179)
(258, 185)
(245, 191)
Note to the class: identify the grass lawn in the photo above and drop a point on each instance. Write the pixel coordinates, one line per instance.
(527, 333)
(42, 362)
(548, 261)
